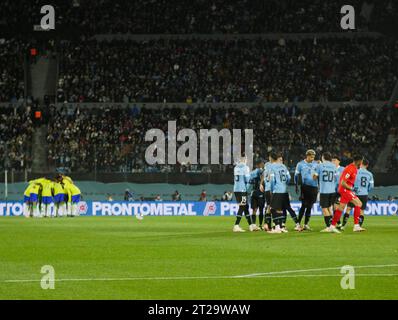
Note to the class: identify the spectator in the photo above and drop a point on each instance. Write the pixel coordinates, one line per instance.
(176, 196)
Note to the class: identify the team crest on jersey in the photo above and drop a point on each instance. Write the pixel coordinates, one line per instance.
(82, 207)
(210, 208)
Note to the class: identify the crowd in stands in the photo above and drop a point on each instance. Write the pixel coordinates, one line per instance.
(394, 157)
(228, 71)
(109, 139)
(16, 130)
(12, 72)
(199, 16)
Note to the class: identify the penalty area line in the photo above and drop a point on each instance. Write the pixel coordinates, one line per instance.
(274, 274)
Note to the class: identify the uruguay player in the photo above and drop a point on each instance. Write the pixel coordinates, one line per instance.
(280, 177)
(326, 173)
(241, 181)
(309, 187)
(257, 200)
(265, 186)
(364, 183)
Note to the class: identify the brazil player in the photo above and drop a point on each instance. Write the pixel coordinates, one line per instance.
(257, 198)
(27, 204)
(280, 177)
(36, 196)
(47, 197)
(241, 181)
(74, 195)
(364, 183)
(347, 195)
(326, 173)
(303, 176)
(59, 199)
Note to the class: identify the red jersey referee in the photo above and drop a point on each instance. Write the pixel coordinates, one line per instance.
(347, 195)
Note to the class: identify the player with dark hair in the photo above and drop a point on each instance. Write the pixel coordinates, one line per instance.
(303, 177)
(326, 173)
(364, 183)
(265, 186)
(241, 181)
(347, 195)
(257, 197)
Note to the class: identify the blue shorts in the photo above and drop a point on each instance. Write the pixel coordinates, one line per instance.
(76, 198)
(60, 197)
(26, 199)
(34, 197)
(46, 200)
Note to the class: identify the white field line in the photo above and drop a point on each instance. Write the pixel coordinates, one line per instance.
(275, 274)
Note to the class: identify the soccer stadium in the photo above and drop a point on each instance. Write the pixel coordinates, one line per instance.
(201, 150)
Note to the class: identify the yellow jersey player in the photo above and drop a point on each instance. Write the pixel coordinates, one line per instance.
(45, 191)
(73, 193)
(59, 199)
(34, 189)
(27, 203)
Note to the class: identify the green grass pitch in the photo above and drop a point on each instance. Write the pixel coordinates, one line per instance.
(193, 258)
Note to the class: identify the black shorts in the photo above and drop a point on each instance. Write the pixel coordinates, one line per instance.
(308, 195)
(326, 200)
(336, 199)
(257, 199)
(280, 201)
(364, 200)
(241, 198)
(268, 197)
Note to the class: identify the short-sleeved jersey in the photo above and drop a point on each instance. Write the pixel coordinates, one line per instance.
(339, 171)
(326, 173)
(349, 175)
(306, 169)
(31, 187)
(280, 177)
(58, 188)
(255, 178)
(72, 189)
(364, 182)
(266, 175)
(241, 177)
(47, 188)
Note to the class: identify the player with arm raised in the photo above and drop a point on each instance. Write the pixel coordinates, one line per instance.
(364, 183)
(303, 176)
(326, 172)
(241, 183)
(347, 195)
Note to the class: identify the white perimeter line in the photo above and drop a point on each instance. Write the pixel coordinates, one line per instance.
(275, 274)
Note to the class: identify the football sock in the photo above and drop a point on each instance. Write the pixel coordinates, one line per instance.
(261, 216)
(293, 215)
(254, 218)
(247, 215)
(301, 213)
(239, 215)
(357, 213)
(336, 216)
(328, 220)
(277, 217)
(345, 218)
(307, 215)
(268, 219)
(361, 219)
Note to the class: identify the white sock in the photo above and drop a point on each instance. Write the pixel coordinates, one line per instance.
(69, 208)
(62, 209)
(36, 212)
(74, 209)
(26, 212)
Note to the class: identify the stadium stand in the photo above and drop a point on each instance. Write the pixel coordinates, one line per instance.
(113, 139)
(228, 71)
(218, 16)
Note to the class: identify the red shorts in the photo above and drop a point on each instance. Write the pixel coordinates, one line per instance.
(346, 196)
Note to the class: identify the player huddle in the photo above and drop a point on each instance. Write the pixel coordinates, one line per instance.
(43, 193)
(339, 188)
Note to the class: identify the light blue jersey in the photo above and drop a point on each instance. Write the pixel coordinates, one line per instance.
(267, 178)
(280, 177)
(306, 169)
(326, 173)
(364, 182)
(339, 171)
(241, 177)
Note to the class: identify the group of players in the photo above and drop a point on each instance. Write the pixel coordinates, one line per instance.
(43, 193)
(339, 188)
